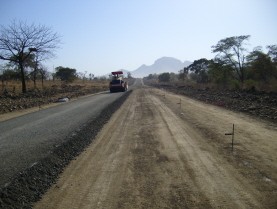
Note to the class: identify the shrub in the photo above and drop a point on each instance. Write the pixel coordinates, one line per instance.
(250, 84)
(235, 85)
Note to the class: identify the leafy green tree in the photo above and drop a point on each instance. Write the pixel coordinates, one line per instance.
(219, 73)
(91, 76)
(32, 64)
(200, 70)
(231, 52)
(261, 68)
(129, 75)
(44, 74)
(150, 76)
(183, 74)
(10, 72)
(19, 40)
(272, 53)
(66, 74)
(164, 77)
(173, 77)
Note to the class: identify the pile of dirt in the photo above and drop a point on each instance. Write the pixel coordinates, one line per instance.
(259, 104)
(29, 186)
(10, 102)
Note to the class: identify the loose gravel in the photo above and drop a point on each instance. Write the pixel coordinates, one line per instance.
(28, 186)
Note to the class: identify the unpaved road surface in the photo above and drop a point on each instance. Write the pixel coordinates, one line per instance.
(160, 150)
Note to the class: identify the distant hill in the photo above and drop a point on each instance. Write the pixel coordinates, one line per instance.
(162, 65)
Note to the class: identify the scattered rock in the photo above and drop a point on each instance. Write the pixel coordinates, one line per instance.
(252, 107)
(63, 99)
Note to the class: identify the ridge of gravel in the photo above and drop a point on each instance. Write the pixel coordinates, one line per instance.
(28, 186)
(258, 104)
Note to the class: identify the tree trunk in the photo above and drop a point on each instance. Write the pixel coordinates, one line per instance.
(42, 79)
(24, 89)
(242, 75)
(3, 84)
(35, 78)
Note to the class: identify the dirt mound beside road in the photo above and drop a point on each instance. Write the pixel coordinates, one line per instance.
(258, 104)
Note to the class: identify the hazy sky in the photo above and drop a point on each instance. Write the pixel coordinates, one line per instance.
(100, 36)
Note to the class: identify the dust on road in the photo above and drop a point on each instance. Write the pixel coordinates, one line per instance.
(158, 153)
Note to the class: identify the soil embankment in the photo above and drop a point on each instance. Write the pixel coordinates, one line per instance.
(258, 104)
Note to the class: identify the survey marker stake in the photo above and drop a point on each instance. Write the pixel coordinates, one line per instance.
(233, 135)
(180, 103)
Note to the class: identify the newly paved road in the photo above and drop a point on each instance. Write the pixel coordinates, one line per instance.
(26, 139)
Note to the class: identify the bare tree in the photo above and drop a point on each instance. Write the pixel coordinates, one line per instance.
(19, 40)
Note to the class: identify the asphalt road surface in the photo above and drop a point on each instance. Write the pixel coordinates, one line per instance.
(26, 139)
(169, 151)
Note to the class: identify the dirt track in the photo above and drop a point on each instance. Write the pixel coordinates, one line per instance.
(158, 153)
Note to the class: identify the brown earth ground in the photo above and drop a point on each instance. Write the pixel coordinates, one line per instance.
(169, 151)
(260, 104)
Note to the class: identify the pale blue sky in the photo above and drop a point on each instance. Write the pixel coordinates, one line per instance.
(100, 36)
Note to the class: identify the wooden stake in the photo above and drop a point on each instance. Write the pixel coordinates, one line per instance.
(233, 136)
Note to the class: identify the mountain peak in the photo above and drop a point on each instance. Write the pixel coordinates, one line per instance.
(161, 65)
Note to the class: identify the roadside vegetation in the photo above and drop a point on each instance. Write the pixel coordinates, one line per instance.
(233, 68)
(235, 79)
(65, 82)
(25, 80)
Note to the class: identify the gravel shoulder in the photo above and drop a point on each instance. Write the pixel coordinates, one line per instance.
(169, 151)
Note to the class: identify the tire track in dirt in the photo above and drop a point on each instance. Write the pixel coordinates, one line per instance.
(208, 173)
(149, 157)
(255, 142)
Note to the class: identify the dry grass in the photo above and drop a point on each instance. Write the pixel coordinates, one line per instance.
(15, 87)
(11, 98)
